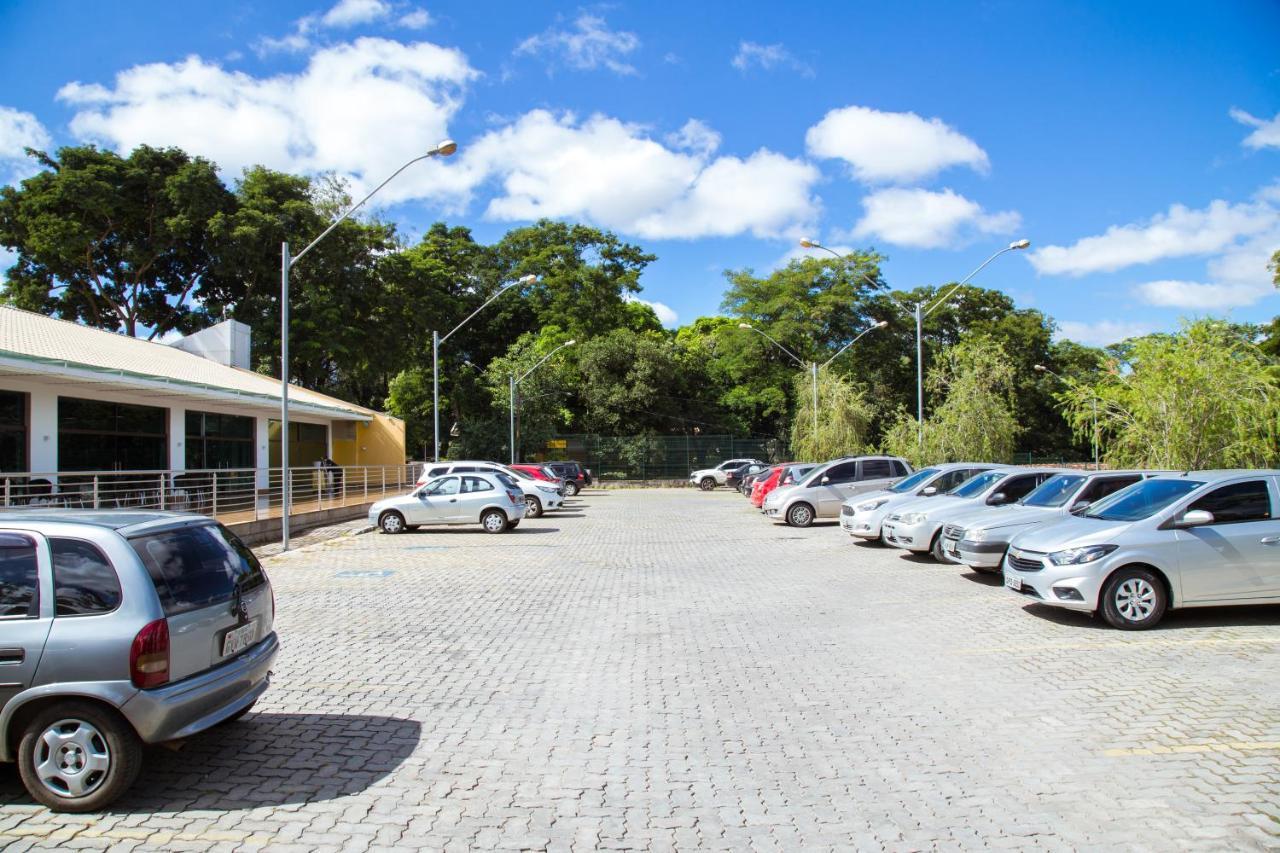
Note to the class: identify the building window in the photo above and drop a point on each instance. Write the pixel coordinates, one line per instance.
(95, 435)
(219, 441)
(13, 431)
(308, 443)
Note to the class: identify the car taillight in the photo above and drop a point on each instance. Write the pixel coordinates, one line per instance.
(515, 499)
(149, 655)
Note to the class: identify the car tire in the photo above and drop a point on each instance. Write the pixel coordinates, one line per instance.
(493, 521)
(1133, 599)
(935, 549)
(800, 515)
(512, 525)
(391, 522)
(707, 483)
(532, 507)
(571, 490)
(89, 734)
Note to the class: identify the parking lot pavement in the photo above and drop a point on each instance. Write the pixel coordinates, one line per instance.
(666, 670)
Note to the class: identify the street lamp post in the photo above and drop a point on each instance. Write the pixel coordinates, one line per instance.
(919, 312)
(444, 149)
(516, 381)
(436, 341)
(1093, 399)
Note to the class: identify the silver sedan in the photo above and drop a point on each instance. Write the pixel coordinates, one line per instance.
(494, 502)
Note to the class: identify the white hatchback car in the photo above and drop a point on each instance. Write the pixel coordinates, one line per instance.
(1199, 539)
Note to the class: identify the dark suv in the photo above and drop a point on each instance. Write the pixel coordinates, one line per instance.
(576, 478)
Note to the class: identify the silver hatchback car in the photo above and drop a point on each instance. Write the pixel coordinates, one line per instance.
(119, 629)
(1199, 539)
(492, 500)
(823, 490)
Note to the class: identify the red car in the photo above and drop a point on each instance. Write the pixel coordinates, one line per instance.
(780, 475)
(537, 472)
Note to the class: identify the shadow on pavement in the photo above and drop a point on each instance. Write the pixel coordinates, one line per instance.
(983, 578)
(265, 759)
(1176, 620)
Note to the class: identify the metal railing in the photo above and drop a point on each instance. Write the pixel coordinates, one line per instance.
(228, 494)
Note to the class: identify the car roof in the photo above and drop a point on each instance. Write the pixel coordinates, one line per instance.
(1219, 474)
(124, 520)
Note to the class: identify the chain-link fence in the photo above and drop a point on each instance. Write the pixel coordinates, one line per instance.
(656, 457)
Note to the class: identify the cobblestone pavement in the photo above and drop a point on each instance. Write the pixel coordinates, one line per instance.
(666, 670)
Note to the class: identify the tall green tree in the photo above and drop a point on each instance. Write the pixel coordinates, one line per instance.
(844, 418)
(631, 383)
(976, 419)
(1206, 397)
(119, 243)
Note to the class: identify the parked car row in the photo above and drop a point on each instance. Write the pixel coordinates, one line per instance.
(495, 496)
(1126, 545)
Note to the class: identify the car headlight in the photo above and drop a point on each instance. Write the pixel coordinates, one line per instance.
(913, 517)
(1085, 554)
(871, 506)
(548, 489)
(976, 534)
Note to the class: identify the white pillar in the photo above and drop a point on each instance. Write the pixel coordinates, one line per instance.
(262, 451)
(44, 431)
(178, 439)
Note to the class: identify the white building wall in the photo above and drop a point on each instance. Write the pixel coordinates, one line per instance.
(43, 425)
(177, 438)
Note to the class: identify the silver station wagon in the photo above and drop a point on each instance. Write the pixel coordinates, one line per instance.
(119, 629)
(1197, 539)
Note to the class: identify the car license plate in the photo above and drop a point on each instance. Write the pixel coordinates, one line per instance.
(1012, 582)
(949, 545)
(238, 639)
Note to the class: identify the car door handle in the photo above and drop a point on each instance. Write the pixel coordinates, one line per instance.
(12, 655)
(1270, 540)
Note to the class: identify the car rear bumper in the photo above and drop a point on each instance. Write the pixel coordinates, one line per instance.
(194, 704)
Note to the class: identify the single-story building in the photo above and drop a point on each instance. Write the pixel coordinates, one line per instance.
(78, 399)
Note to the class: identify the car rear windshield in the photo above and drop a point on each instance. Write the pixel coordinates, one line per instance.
(1054, 491)
(199, 566)
(909, 483)
(976, 484)
(506, 480)
(1141, 500)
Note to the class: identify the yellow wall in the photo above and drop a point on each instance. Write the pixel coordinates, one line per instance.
(379, 442)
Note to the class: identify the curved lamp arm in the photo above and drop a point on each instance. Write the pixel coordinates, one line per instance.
(528, 279)
(522, 376)
(1019, 244)
(879, 325)
(795, 357)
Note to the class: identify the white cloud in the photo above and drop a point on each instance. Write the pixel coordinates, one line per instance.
(1100, 333)
(884, 147)
(1172, 293)
(613, 174)
(928, 220)
(360, 109)
(588, 45)
(768, 57)
(19, 130)
(695, 136)
(348, 13)
(418, 19)
(1181, 232)
(666, 316)
(1266, 133)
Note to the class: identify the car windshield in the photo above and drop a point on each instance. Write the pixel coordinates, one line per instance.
(1054, 491)
(908, 483)
(522, 474)
(976, 484)
(1141, 500)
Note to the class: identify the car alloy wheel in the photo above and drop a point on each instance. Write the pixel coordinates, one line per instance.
(78, 757)
(493, 521)
(800, 515)
(571, 489)
(391, 522)
(707, 484)
(532, 506)
(1133, 599)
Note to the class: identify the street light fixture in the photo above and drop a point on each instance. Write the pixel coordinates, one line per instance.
(516, 380)
(444, 149)
(436, 341)
(1042, 369)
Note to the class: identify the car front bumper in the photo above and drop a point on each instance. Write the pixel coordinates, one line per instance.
(1071, 587)
(194, 704)
(913, 537)
(985, 555)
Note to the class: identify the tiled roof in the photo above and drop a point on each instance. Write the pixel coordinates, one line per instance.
(36, 337)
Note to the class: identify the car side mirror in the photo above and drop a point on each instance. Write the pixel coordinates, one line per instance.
(1080, 506)
(1194, 518)
(929, 491)
(825, 479)
(997, 499)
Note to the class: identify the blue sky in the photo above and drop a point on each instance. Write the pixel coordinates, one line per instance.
(1137, 145)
